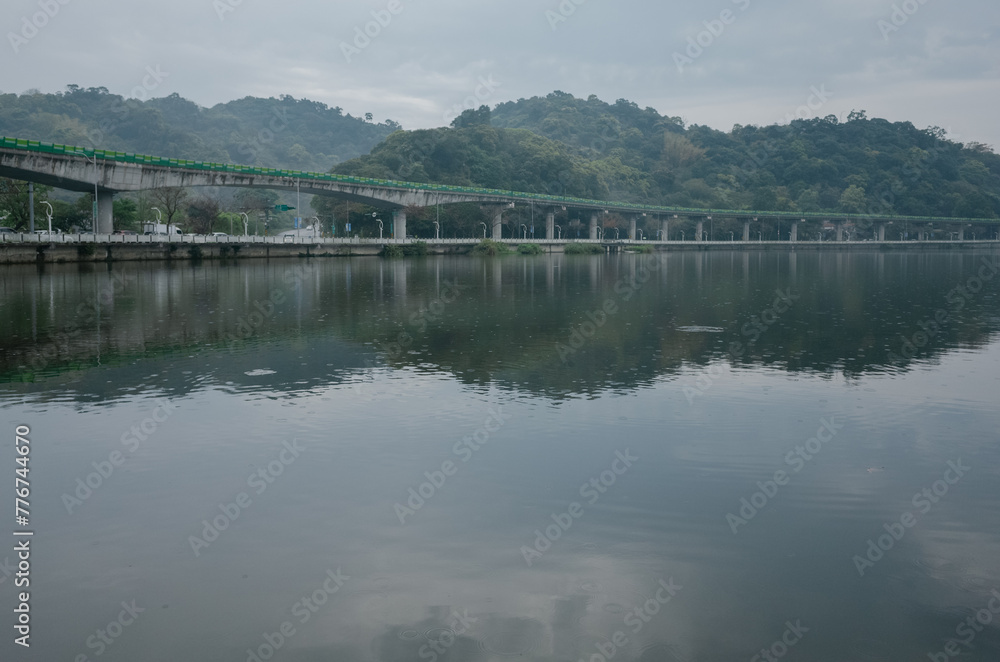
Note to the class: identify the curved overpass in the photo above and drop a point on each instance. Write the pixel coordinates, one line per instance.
(84, 170)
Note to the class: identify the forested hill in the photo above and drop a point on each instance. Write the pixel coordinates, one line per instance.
(281, 133)
(563, 145)
(557, 144)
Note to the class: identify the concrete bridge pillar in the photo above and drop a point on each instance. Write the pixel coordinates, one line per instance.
(105, 212)
(664, 229)
(793, 234)
(399, 224)
(497, 223)
(631, 228)
(699, 230)
(593, 225)
(961, 233)
(550, 225)
(880, 231)
(746, 230)
(840, 231)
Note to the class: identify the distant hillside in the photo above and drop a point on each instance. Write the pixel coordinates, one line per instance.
(618, 151)
(285, 132)
(558, 144)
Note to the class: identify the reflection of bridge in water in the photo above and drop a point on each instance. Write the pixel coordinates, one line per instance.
(106, 173)
(674, 309)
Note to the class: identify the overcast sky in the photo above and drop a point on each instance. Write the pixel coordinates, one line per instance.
(932, 62)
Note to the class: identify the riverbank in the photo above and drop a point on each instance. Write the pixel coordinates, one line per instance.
(30, 252)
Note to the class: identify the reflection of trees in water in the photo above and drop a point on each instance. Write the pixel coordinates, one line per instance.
(540, 324)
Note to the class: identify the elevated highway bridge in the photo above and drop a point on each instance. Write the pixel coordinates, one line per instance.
(106, 173)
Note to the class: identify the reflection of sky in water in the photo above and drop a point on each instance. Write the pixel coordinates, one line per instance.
(370, 431)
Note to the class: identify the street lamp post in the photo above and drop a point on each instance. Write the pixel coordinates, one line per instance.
(732, 236)
(380, 227)
(524, 230)
(96, 178)
(559, 231)
(48, 212)
(246, 223)
(484, 229)
(315, 225)
(682, 235)
(437, 230)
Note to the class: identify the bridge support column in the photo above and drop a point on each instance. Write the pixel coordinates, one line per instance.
(593, 225)
(961, 233)
(497, 223)
(840, 231)
(105, 212)
(746, 230)
(793, 234)
(399, 224)
(550, 225)
(631, 228)
(880, 231)
(699, 230)
(31, 207)
(664, 230)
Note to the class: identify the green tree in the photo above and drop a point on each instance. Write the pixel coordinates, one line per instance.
(14, 205)
(852, 200)
(125, 213)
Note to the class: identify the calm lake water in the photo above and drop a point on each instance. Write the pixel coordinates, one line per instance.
(690, 457)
